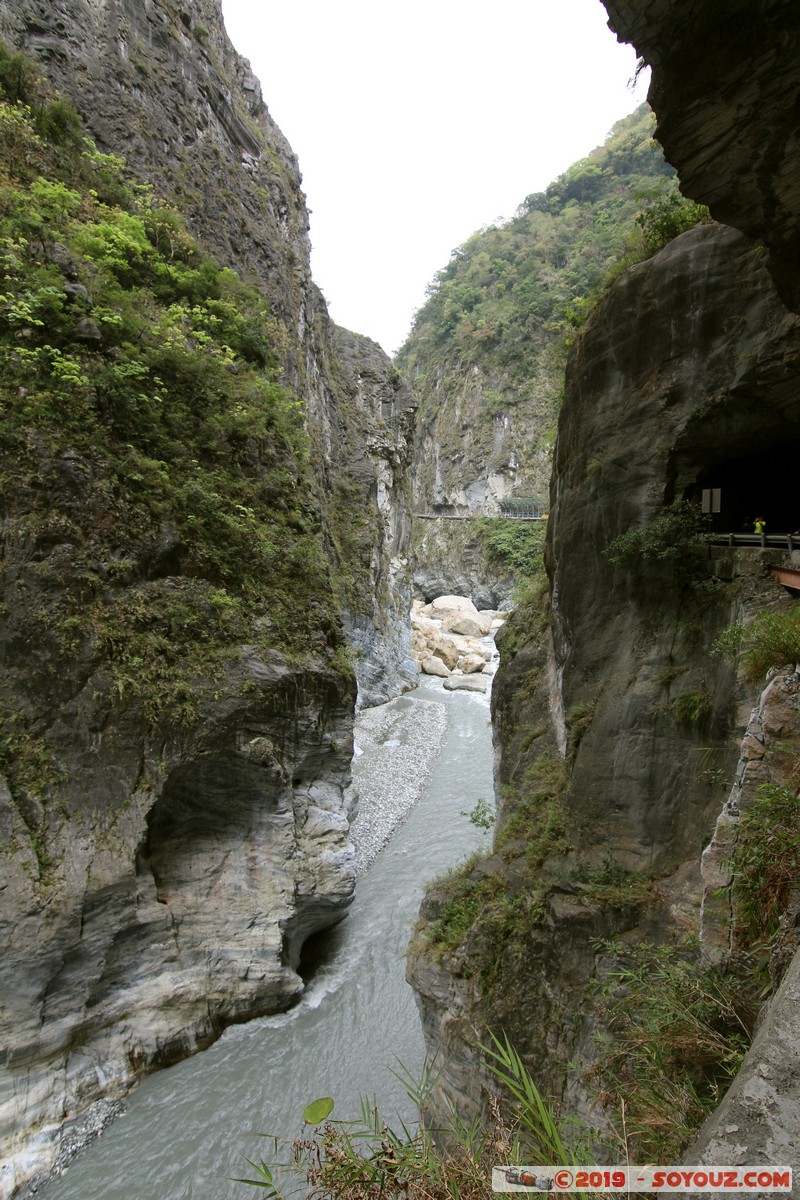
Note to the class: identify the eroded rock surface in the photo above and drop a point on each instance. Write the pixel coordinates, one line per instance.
(181, 879)
(725, 89)
(758, 1121)
(768, 755)
(694, 352)
(687, 370)
(164, 87)
(691, 362)
(162, 873)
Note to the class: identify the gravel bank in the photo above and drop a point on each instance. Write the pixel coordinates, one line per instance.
(398, 742)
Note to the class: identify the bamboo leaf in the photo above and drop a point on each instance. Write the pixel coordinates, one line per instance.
(318, 1110)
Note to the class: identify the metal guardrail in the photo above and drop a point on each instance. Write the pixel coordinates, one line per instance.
(513, 508)
(782, 541)
(476, 516)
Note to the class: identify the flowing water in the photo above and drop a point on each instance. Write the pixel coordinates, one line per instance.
(188, 1129)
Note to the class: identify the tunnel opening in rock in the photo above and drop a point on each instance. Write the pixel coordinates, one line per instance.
(737, 491)
(319, 951)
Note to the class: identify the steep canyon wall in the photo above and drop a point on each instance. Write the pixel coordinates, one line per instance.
(162, 869)
(690, 362)
(162, 85)
(614, 724)
(486, 355)
(725, 89)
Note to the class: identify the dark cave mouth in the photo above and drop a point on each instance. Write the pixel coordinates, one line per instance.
(737, 491)
(319, 952)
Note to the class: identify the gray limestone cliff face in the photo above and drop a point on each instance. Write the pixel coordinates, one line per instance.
(725, 89)
(363, 450)
(687, 371)
(758, 1120)
(768, 755)
(162, 85)
(473, 448)
(449, 559)
(688, 365)
(183, 872)
(162, 886)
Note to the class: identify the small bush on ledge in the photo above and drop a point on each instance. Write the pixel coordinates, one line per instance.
(669, 537)
(771, 640)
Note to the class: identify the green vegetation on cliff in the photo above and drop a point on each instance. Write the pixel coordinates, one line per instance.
(487, 353)
(158, 504)
(366, 1159)
(513, 545)
(771, 640)
(677, 1033)
(512, 292)
(512, 288)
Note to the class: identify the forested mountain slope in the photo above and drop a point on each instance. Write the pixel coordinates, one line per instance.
(486, 357)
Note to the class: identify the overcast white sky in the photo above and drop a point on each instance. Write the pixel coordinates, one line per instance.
(417, 123)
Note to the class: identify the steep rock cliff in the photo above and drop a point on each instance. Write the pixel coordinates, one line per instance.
(689, 365)
(183, 871)
(711, 385)
(614, 725)
(177, 751)
(161, 84)
(725, 89)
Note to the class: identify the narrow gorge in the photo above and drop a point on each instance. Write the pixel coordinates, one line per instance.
(218, 508)
(618, 721)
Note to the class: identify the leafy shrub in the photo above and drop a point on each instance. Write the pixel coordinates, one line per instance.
(611, 885)
(771, 640)
(578, 721)
(513, 545)
(59, 122)
(766, 860)
(693, 707)
(464, 894)
(666, 217)
(680, 1031)
(670, 537)
(536, 822)
(365, 1159)
(19, 78)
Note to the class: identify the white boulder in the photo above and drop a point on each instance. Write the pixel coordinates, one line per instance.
(431, 665)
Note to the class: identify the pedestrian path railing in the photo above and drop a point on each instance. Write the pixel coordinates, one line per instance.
(781, 541)
(515, 508)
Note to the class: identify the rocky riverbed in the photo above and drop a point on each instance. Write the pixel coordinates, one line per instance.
(395, 747)
(449, 640)
(396, 743)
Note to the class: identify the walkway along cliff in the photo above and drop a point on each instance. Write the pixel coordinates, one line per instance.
(617, 729)
(191, 567)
